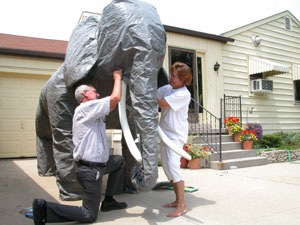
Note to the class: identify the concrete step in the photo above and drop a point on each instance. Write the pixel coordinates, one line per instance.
(238, 163)
(231, 146)
(214, 138)
(234, 154)
(197, 130)
(226, 146)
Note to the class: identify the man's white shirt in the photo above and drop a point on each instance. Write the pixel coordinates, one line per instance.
(89, 135)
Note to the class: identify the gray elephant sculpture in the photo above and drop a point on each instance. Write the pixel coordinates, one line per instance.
(130, 36)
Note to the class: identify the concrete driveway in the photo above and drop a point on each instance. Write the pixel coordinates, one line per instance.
(263, 195)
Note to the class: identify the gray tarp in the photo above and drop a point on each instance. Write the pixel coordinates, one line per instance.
(130, 36)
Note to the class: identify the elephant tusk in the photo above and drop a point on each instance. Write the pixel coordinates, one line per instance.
(125, 127)
(172, 145)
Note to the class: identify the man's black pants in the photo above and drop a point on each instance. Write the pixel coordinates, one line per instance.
(90, 177)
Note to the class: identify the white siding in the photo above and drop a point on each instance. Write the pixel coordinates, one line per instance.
(276, 111)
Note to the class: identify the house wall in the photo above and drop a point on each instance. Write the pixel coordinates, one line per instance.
(277, 111)
(210, 51)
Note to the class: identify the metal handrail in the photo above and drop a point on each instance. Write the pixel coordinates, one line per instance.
(208, 127)
(231, 106)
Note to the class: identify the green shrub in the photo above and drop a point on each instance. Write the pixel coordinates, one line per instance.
(271, 141)
(290, 138)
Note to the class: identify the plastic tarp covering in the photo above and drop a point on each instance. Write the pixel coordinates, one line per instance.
(81, 53)
(129, 36)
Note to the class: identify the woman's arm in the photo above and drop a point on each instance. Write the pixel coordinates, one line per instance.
(163, 104)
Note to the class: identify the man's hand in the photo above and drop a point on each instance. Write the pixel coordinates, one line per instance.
(117, 74)
(115, 96)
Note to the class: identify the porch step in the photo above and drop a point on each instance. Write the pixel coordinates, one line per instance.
(225, 138)
(226, 146)
(197, 130)
(234, 154)
(238, 163)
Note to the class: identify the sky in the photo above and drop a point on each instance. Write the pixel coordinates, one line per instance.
(56, 19)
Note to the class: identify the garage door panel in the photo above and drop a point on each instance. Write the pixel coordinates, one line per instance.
(28, 125)
(30, 104)
(10, 125)
(30, 83)
(8, 103)
(8, 82)
(10, 149)
(28, 148)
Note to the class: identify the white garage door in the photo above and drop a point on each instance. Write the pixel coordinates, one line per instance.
(19, 96)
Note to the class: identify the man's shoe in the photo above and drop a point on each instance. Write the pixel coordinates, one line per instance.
(39, 209)
(113, 205)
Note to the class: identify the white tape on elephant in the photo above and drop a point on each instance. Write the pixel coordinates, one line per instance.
(125, 127)
(172, 145)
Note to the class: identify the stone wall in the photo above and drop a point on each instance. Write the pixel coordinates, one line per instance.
(281, 155)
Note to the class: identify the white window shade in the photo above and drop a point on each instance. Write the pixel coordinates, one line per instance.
(267, 67)
(296, 72)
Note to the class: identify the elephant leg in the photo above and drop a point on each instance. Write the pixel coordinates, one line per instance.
(69, 187)
(44, 151)
(61, 123)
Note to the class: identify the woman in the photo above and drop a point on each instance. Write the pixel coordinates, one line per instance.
(174, 99)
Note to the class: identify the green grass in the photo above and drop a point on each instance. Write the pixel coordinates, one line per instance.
(282, 147)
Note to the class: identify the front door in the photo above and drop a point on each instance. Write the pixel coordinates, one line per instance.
(195, 63)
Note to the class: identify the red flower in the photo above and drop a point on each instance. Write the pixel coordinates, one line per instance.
(204, 148)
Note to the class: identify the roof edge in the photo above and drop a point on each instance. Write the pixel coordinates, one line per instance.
(24, 52)
(259, 22)
(198, 34)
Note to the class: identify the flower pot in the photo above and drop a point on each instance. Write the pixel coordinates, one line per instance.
(229, 130)
(194, 163)
(183, 162)
(236, 137)
(247, 144)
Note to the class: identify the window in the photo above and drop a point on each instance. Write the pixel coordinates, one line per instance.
(297, 90)
(296, 82)
(287, 23)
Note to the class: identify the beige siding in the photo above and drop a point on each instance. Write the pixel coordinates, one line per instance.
(211, 52)
(21, 81)
(277, 110)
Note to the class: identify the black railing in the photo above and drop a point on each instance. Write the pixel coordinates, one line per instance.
(208, 127)
(231, 106)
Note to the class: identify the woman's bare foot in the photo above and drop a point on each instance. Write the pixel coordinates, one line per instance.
(170, 205)
(179, 211)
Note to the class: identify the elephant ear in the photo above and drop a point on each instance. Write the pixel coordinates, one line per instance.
(81, 51)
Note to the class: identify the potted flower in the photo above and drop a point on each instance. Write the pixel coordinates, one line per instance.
(247, 137)
(230, 121)
(183, 161)
(236, 132)
(197, 153)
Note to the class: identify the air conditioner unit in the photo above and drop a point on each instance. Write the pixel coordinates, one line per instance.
(261, 86)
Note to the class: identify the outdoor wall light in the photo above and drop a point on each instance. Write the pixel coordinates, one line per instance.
(216, 66)
(256, 40)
